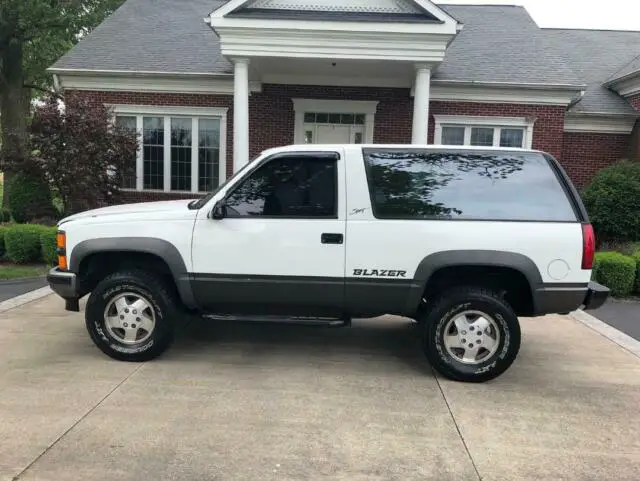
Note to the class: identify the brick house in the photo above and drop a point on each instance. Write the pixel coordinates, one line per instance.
(211, 83)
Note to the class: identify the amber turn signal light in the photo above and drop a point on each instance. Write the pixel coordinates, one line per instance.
(61, 244)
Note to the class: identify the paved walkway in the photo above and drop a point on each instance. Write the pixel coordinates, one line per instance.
(268, 402)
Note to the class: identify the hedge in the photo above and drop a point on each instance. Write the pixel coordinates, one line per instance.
(22, 242)
(48, 246)
(636, 257)
(3, 230)
(613, 202)
(616, 271)
(5, 215)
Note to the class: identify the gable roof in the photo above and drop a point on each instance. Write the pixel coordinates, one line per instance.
(498, 44)
(152, 36)
(594, 55)
(501, 43)
(631, 68)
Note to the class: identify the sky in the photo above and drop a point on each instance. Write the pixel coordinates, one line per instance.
(608, 15)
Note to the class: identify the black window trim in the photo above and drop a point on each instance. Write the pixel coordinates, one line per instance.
(566, 185)
(322, 154)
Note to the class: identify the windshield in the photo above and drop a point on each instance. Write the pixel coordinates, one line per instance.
(197, 204)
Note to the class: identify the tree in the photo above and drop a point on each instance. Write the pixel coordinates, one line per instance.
(33, 34)
(84, 156)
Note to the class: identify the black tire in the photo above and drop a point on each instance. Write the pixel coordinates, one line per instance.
(455, 302)
(162, 303)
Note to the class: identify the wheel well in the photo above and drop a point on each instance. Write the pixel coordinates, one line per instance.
(95, 267)
(510, 282)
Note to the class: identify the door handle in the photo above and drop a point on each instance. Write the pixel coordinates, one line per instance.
(328, 238)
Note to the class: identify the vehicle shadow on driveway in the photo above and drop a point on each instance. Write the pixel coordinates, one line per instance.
(386, 339)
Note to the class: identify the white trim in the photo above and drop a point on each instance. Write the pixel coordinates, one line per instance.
(336, 81)
(629, 86)
(196, 113)
(132, 109)
(504, 94)
(626, 342)
(599, 124)
(302, 106)
(133, 82)
(469, 121)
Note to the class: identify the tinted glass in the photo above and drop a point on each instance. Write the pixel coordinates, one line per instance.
(181, 154)
(288, 187)
(153, 152)
(465, 185)
(208, 154)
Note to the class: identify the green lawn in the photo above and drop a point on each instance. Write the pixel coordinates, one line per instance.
(13, 271)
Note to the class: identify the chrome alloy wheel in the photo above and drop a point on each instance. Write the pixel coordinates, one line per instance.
(471, 337)
(129, 318)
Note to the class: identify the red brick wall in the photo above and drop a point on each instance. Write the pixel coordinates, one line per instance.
(272, 118)
(548, 130)
(586, 153)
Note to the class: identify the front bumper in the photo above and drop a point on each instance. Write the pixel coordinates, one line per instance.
(597, 294)
(63, 283)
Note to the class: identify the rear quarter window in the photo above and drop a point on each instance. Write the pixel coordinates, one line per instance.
(465, 185)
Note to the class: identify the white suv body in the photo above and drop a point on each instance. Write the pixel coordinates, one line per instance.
(336, 231)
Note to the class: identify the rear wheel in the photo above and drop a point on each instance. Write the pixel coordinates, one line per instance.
(470, 334)
(130, 316)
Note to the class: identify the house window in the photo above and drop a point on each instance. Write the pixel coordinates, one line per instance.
(484, 131)
(128, 123)
(181, 150)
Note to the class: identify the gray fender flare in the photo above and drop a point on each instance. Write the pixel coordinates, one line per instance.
(485, 258)
(148, 245)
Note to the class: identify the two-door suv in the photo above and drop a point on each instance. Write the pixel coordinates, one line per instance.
(463, 240)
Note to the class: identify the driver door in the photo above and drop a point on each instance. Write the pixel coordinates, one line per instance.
(280, 247)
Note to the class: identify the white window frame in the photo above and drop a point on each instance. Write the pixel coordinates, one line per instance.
(497, 123)
(194, 113)
(366, 107)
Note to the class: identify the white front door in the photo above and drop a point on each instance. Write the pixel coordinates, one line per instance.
(280, 247)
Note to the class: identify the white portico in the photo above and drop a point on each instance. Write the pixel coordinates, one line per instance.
(354, 43)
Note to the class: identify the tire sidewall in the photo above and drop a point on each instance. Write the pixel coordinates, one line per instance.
(501, 359)
(96, 323)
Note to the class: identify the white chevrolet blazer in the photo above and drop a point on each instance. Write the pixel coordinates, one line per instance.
(463, 240)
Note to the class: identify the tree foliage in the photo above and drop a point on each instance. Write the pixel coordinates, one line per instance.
(33, 34)
(82, 154)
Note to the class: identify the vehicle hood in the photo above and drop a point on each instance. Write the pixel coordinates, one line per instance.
(142, 209)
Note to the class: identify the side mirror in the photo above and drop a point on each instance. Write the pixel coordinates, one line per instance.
(219, 211)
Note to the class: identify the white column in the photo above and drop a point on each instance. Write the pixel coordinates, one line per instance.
(421, 105)
(240, 113)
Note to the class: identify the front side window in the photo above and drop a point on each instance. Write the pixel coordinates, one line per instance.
(288, 187)
(472, 185)
(178, 153)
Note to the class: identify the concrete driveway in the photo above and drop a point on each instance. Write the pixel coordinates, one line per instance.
(272, 402)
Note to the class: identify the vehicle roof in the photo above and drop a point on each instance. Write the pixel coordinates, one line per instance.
(324, 147)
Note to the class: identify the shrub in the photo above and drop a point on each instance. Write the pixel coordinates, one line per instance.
(636, 257)
(29, 197)
(616, 271)
(5, 216)
(22, 242)
(613, 202)
(48, 245)
(83, 155)
(3, 229)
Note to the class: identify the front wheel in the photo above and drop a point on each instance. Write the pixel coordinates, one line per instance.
(471, 334)
(130, 315)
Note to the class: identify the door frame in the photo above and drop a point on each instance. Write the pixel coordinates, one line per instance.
(366, 107)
